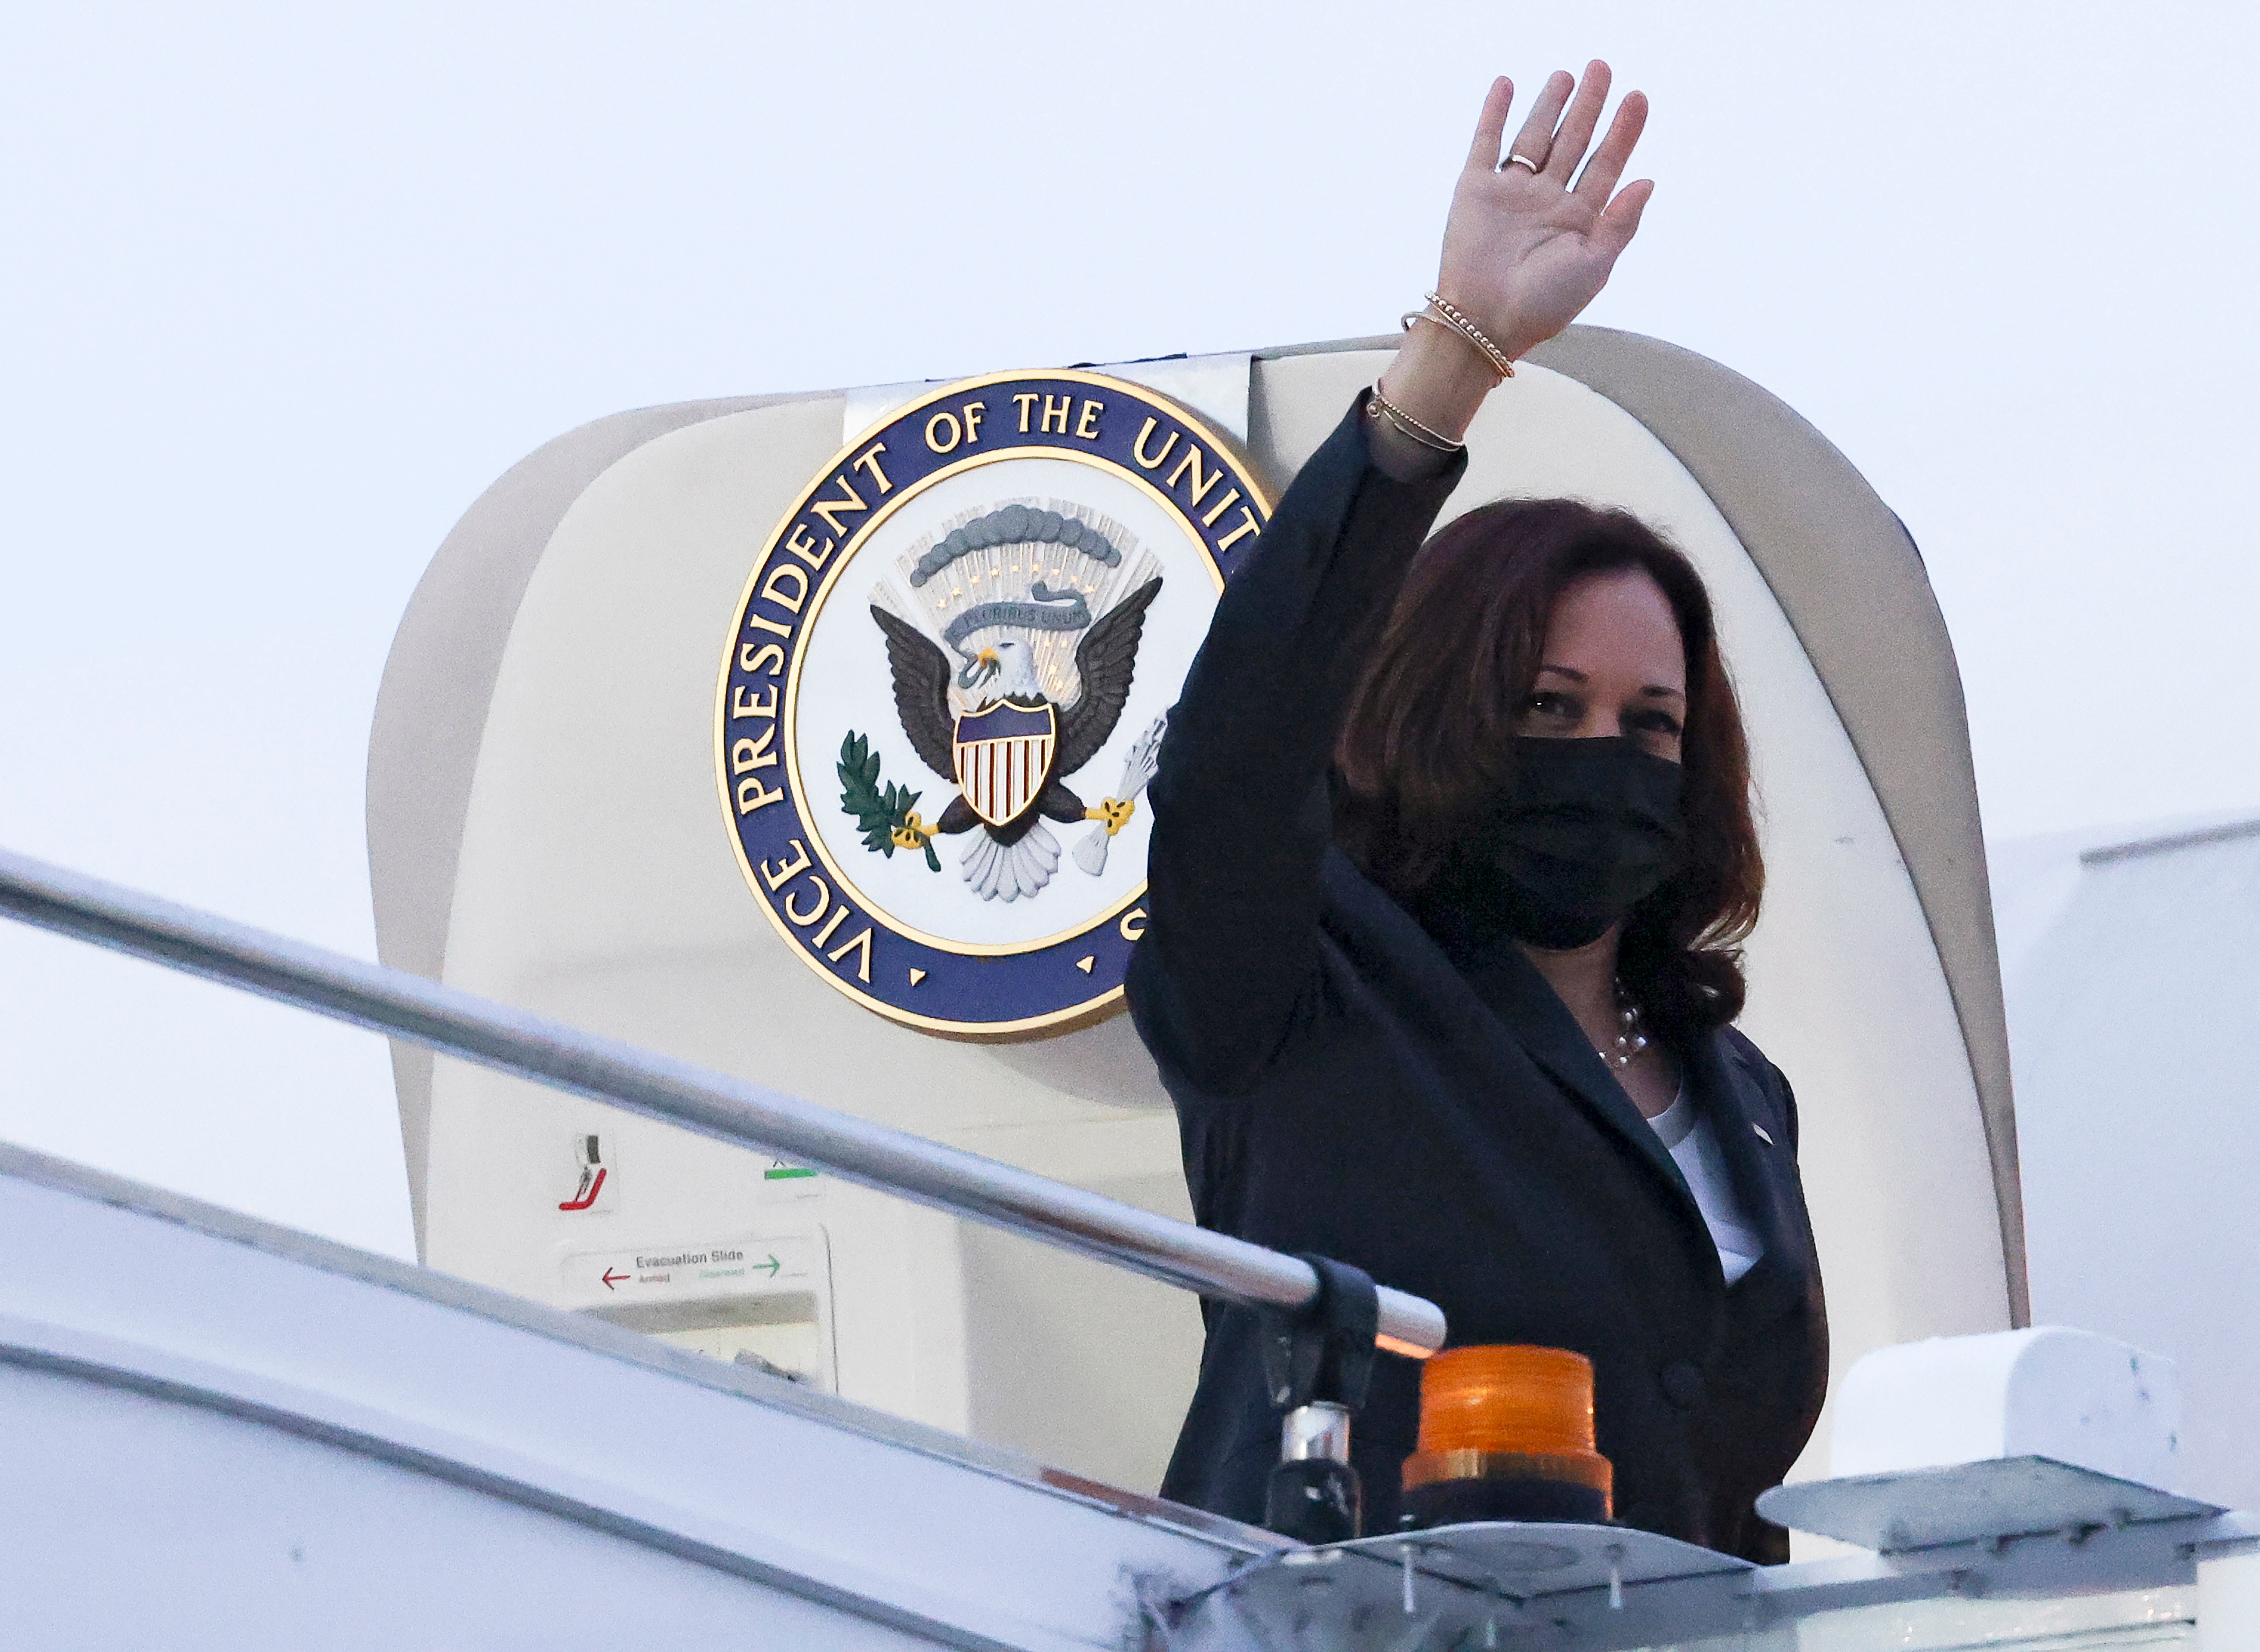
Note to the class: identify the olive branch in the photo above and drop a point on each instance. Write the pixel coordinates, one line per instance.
(886, 818)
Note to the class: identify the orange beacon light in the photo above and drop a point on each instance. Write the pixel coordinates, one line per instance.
(1506, 1434)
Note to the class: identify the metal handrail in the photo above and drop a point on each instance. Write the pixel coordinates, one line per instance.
(511, 1041)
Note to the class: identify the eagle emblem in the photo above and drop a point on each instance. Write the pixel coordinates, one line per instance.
(1015, 713)
(974, 618)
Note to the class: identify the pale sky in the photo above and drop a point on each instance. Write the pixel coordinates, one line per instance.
(286, 287)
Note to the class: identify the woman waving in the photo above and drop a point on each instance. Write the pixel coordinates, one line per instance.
(1452, 858)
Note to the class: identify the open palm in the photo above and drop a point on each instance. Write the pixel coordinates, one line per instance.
(1530, 242)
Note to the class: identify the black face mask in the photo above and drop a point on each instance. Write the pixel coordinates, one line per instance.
(1588, 830)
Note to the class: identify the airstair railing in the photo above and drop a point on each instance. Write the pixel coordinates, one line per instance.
(402, 1006)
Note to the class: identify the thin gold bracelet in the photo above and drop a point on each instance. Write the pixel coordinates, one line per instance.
(1449, 314)
(1379, 406)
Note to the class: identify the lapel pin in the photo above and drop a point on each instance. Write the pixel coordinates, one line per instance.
(1763, 1136)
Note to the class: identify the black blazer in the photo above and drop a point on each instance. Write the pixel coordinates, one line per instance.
(1343, 1087)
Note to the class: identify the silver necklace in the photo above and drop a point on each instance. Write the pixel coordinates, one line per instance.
(1630, 1041)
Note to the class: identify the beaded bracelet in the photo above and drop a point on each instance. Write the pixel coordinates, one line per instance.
(1378, 405)
(1443, 312)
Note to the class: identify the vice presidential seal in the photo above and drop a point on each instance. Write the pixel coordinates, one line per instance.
(948, 685)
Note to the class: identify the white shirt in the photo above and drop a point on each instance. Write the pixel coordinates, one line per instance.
(1694, 1148)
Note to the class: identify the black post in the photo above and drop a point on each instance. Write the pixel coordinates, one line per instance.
(1319, 1364)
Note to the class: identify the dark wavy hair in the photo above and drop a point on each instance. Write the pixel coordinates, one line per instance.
(1429, 736)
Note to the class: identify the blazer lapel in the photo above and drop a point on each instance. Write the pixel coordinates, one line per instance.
(1509, 985)
(1504, 990)
(1760, 1168)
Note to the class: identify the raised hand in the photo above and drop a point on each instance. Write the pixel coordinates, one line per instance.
(1529, 243)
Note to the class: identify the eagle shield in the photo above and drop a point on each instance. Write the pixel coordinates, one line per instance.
(1002, 754)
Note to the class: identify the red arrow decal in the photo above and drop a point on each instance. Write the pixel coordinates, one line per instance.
(612, 1280)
